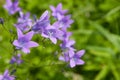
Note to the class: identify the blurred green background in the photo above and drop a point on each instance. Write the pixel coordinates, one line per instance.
(96, 29)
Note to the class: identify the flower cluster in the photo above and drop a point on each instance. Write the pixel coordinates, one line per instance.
(63, 22)
(27, 28)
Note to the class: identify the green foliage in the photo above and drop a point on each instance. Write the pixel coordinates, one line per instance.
(96, 29)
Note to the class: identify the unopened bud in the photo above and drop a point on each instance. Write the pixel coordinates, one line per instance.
(1, 21)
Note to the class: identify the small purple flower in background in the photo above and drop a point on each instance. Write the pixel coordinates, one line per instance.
(23, 43)
(75, 58)
(24, 22)
(41, 24)
(16, 59)
(6, 76)
(57, 12)
(12, 7)
(64, 23)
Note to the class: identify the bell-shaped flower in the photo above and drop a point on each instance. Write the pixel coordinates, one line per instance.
(24, 22)
(51, 33)
(57, 12)
(24, 41)
(64, 23)
(75, 58)
(16, 59)
(65, 57)
(12, 7)
(67, 45)
(41, 24)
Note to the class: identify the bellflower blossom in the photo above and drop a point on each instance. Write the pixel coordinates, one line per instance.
(67, 45)
(66, 35)
(65, 57)
(75, 58)
(16, 59)
(52, 33)
(23, 43)
(63, 35)
(12, 7)
(24, 22)
(57, 12)
(41, 24)
(6, 76)
(64, 23)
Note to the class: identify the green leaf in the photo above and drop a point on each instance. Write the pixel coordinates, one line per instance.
(102, 74)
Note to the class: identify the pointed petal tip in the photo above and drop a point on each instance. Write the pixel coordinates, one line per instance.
(72, 63)
(80, 53)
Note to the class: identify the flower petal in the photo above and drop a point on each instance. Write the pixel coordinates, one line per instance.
(29, 35)
(59, 16)
(72, 63)
(59, 7)
(25, 50)
(71, 53)
(19, 33)
(1, 77)
(44, 35)
(54, 40)
(31, 44)
(6, 72)
(70, 43)
(80, 53)
(44, 16)
(52, 8)
(9, 3)
(80, 62)
(61, 58)
(16, 43)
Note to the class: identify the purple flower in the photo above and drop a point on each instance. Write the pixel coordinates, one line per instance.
(24, 22)
(12, 7)
(6, 76)
(42, 23)
(23, 43)
(51, 34)
(66, 54)
(58, 12)
(67, 45)
(75, 58)
(59, 34)
(16, 59)
(65, 57)
(66, 35)
(64, 23)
